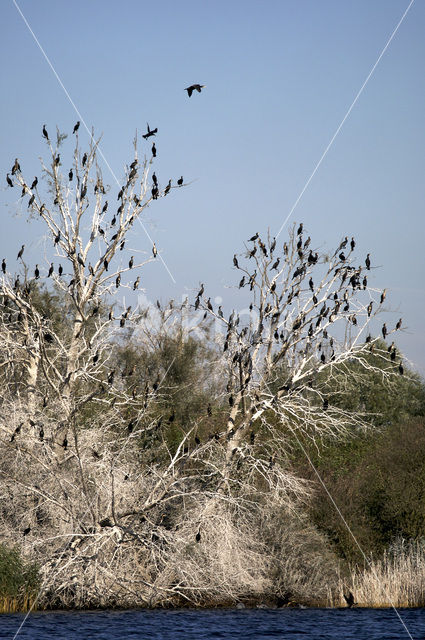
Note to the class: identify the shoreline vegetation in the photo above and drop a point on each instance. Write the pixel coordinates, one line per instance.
(157, 454)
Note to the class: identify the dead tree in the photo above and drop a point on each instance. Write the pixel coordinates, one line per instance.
(310, 318)
(89, 263)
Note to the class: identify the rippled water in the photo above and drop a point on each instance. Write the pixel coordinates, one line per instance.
(247, 624)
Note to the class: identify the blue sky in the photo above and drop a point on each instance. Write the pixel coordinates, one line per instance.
(280, 77)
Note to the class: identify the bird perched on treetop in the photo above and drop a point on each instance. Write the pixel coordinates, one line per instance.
(194, 87)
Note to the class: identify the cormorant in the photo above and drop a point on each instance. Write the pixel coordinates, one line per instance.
(398, 325)
(341, 257)
(151, 132)
(26, 531)
(300, 229)
(400, 369)
(84, 159)
(60, 270)
(154, 250)
(105, 264)
(131, 262)
(113, 221)
(31, 200)
(383, 295)
(254, 238)
(57, 159)
(180, 181)
(154, 179)
(198, 536)
(235, 261)
(70, 175)
(45, 134)
(83, 191)
(3, 266)
(194, 87)
(136, 283)
(349, 599)
(120, 193)
(367, 262)
(276, 264)
(34, 183)
(153, 150)
(352, 244)
(51, 269)
(167, 188)
(118, 280)
(384, 330)
(122, 245)
(21, 251)
(9, 181)
(369, 309)
(76, 127)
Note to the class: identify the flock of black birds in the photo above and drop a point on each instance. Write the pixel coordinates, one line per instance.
(155, 192)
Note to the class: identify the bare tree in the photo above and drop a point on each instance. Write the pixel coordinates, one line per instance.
(309, 322)
(89, 243)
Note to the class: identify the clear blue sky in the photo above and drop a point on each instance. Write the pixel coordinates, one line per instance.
(280, 76)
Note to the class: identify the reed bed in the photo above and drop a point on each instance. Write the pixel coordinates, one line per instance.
(397, 579)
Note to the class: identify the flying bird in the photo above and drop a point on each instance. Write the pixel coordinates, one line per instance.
(194, 87)
(349, 599)
(151, 132)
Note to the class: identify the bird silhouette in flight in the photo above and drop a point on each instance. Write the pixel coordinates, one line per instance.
(194, 87)
(151, 132)
(349, 599)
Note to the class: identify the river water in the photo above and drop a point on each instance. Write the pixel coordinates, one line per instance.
(227, 624)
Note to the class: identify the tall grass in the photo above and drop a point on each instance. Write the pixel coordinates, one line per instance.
(19, 581)
(398, 579)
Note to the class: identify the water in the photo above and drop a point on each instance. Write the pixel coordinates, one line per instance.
(247, 624)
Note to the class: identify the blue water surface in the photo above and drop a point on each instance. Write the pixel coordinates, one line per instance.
(226, 624)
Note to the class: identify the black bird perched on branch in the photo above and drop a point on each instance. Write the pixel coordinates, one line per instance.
(131, 262)
(45, 134)
(398, 325)
(70, 175)
(8, 180)
(180, 181)
(76, 127)
(34, 183)
(349, 599)
(167, 188)
(16, 167)
(154, 179)
(51, 269)
(194, 87)
(367, 262)
(136, 283)
(3, 266)
(153, 150)
(21, 251)
(300, 229)
(384, 330)
(254, 238)
(84, 160)
(235, 261)
(151, 132)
